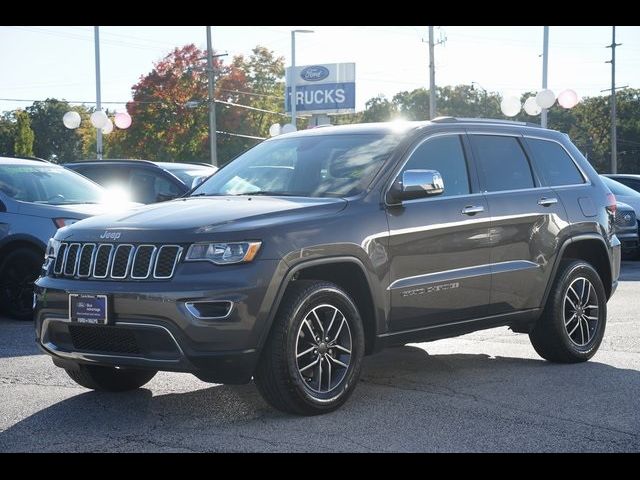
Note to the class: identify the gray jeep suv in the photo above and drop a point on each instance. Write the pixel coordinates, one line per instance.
(316, 248)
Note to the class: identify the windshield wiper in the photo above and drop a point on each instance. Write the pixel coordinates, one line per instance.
(206, 195)
(267, 193)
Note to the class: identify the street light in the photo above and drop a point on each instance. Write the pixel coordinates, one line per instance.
(292, 76)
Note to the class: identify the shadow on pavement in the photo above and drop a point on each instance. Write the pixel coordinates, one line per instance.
(406, 400)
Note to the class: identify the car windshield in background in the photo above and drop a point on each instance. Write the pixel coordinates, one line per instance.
(619, 189)
(188, 174)
(309, 166)
(48, 184)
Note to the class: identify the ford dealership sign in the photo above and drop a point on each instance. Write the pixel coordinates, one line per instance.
(323, 89)
(315, 73)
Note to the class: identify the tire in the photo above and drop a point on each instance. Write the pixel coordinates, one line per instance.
(18, 271)
(579, 340)
(110, 379)
(281, 375)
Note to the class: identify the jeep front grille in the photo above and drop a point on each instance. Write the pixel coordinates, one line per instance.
(116, 261)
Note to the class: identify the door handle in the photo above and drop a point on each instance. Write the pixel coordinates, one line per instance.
(472, 209)
(545, 202)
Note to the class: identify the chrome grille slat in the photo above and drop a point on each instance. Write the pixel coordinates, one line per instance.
(163, 262)
(125, 261)
(90, 250)
(141, 250)
(121, 251)
(71, 259)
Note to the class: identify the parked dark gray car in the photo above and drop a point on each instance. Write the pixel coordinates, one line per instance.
(315, 248)
(37, 198)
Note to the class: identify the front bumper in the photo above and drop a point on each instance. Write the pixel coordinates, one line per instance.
(150, 325)
(629, 240)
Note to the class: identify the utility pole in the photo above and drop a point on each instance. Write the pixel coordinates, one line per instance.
(213, 135)
(614, 137)
(432, 77)
(96, 37)
(545, 63)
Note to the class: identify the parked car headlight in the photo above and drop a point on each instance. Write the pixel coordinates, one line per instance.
(223, 253)
(52, 248)
(64, 222)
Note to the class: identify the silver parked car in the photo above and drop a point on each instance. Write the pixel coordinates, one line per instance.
(36, 199)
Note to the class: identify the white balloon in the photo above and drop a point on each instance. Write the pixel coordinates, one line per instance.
(275, 130)
(545, 98)
(108, 128)
(99, 119)
(122, 120)
(532, 107)
(288, 128)
(568, 98)
(71, 119)
(510, 106)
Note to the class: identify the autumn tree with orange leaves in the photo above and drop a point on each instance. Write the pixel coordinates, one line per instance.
(167, 127)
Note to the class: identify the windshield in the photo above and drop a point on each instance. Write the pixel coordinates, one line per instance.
(619, 189)
(48, 184)
(188, 174)
(308, 166)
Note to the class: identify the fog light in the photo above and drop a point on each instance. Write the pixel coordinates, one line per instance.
(215, 310)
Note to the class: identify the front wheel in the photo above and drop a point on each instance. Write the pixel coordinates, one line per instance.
(311, 361)
(18, 272)
(110, 379)
(572, 325)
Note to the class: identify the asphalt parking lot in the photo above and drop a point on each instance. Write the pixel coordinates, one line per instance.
(486, 391)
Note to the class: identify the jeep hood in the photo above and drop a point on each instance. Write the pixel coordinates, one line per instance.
(188, 218)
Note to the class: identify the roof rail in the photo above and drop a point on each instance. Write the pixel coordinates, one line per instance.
(483, 120)
(25, 157)
(131, 160)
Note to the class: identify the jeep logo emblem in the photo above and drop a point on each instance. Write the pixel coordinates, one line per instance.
(314, 73)
(107, 235)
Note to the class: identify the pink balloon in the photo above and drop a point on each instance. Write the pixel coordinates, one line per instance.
(122, 120)
(568, 99)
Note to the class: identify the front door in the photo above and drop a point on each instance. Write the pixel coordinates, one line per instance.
(439, 246)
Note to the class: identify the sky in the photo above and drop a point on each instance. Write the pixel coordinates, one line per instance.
(51, 61)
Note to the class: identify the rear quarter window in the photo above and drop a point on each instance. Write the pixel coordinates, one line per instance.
(555, 165)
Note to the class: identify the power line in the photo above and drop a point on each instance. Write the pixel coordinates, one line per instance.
(223, 102)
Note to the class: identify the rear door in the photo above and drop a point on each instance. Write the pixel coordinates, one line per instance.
(526, 218)
(439, 251)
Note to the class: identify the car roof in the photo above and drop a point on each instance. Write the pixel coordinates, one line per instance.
(24, 161)
(621, 175)
(170, 165)
(402, 126)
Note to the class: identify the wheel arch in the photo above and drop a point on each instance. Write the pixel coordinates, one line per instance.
(14, 242)
(356, 283)
(590, 248)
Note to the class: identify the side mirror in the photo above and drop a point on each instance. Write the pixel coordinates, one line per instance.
(197, 181)
(416, 184)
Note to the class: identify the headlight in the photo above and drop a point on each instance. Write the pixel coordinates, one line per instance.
(223, 253)
(52, 248)
(64, 222)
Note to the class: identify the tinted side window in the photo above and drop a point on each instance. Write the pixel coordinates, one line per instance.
(444, 154)
(555, 164)
(109, 176)
(502, 163)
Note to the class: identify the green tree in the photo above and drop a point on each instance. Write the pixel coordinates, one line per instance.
(7, 133)
(24, 135)
(53, 141)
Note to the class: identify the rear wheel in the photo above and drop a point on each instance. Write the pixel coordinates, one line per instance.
(311, 362)
(18, 271)
(572, 325)
(110, 379)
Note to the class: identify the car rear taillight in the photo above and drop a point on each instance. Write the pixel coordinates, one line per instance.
(611, 203)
